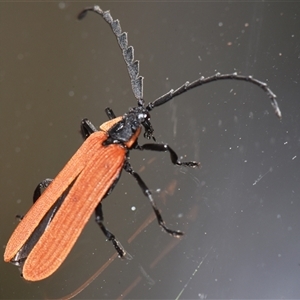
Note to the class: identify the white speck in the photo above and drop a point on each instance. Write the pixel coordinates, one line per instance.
(294, 157)
(71, 93)
(220, 24)
(285, 143)
(133, 208)
(62, 5)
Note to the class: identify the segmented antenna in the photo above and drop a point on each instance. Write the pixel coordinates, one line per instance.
(137, 81)
(203, 80)
(127, 51)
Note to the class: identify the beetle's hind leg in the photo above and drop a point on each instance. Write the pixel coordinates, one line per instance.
(99, 220)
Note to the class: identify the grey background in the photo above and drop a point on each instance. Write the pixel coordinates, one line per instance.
(240, 211)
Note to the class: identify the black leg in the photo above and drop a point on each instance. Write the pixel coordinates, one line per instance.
(147, 193)
(173, 155)
(110, 114)
(39, 189)
(99, 220)
(87, 128)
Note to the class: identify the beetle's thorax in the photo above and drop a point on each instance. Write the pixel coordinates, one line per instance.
(129, 127)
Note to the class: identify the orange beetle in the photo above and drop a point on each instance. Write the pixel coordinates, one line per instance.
(47, 233)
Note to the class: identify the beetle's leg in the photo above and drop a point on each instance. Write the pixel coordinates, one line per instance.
(173, 155)
(110, 114)
(39, 189)
(99, 220)
(87, 128)
(147, 193)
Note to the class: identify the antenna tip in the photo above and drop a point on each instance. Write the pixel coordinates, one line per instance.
(95, 9)
(82, 14)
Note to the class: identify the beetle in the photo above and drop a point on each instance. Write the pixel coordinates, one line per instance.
(47, 233)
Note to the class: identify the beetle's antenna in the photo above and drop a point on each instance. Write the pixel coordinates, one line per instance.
(128, 51)
(203, 80)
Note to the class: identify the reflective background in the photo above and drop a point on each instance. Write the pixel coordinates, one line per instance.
(240, 211)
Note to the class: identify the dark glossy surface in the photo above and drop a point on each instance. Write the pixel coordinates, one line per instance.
(240, 211)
